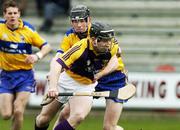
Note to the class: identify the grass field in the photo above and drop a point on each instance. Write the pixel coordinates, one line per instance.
(130, 120)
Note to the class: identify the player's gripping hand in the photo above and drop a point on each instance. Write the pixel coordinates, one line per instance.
(97, 76)
(30, 59)
(52, 92)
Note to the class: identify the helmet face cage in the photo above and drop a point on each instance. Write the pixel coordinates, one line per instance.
(79, 12)
(101, 31)
(106, 35)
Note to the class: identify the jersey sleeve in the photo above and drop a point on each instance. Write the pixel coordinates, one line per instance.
(37, 40)
(72, 54)
(114, 49)
(33, 37)
(64, 45)
(68, 41)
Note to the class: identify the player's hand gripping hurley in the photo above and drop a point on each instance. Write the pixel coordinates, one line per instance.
(123, 93)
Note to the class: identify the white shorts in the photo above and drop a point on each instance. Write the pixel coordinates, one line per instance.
(68, 84)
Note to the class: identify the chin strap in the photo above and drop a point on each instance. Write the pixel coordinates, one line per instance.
(82, 35)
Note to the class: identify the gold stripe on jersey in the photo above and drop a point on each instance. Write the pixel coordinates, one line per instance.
(74, 53)
(69, 53)
(70, 38)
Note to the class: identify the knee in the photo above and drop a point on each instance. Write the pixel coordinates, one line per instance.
(106, 127)
(18, 114)
(63, 115)
(42, 120)
(18, 110)
(6, 115)
(78, 117)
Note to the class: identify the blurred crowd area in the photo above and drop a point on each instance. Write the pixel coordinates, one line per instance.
(147, 30)
(40, 5)
(47, 9)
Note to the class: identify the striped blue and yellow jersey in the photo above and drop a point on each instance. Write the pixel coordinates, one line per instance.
(81, 61)
(16, 44)
(70, 38)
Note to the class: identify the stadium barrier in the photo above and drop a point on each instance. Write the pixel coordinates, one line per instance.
(154, 91)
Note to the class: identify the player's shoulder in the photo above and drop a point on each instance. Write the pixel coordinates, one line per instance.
(70, 31)
(2, 21)
(83, 43)
(28, 25)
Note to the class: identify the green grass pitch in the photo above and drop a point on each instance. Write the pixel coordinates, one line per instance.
(130, 120)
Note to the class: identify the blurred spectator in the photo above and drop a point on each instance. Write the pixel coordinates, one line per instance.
(40, 7)
(1, 2)
(53, 8)
(22, 5)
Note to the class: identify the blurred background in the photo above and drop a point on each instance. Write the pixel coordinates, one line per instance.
(148, 32)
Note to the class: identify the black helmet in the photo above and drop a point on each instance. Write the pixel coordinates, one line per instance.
(79, 12)
(101, 31)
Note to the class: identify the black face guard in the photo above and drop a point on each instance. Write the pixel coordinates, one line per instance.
(77, 19)
(106, 35)
(82, 35)
(79, 15)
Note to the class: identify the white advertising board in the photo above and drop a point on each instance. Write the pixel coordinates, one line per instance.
(154, 90)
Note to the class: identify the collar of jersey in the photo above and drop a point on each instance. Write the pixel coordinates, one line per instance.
(20, 25)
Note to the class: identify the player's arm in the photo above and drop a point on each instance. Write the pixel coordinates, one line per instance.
(111, 66)
(43, 51)
(65, 44)
(113, 63)
(39, 42)
(30, 59)
(60, 62)
(55, 70)
(55, 58)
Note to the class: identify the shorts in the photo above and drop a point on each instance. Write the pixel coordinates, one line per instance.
(68, 84)
(17, 81)
(110, 82)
